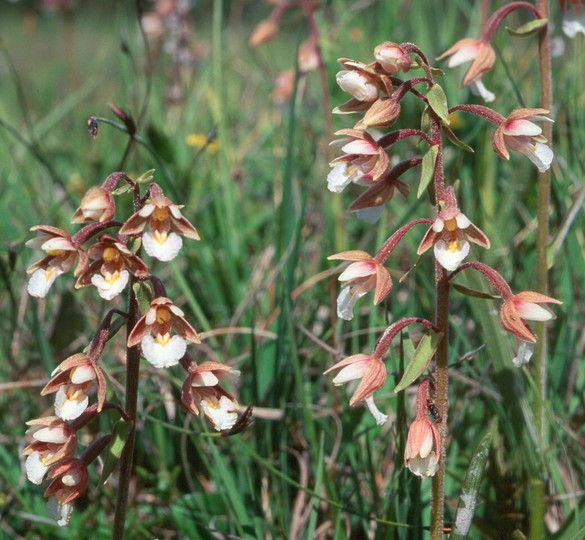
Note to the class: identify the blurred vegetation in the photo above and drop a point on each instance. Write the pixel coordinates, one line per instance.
(259, 283)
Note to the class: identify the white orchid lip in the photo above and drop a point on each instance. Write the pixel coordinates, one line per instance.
(450, 258)
(221, 413)
(163, 355)
(380, 417)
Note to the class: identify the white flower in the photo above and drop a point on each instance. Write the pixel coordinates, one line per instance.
(41, 280)
(58, 511)
(524, 354)
(574, 21)
(380, 417)
(539, 153)
(70, 402)
(35, 468)
(111, 285)
(162, 246)
(340, 177)
(478, 89)
(222, 414)
(346, 301)
(164, 352)
(357, 85)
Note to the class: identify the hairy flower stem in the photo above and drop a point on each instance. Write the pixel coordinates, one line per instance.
(543, 203)
(441, 398)
(127, 458)
(442, 353)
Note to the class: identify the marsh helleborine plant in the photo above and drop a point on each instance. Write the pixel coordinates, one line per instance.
(107, 254)
(376, 94)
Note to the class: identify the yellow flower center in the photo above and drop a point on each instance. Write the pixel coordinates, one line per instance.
(57, 252)
(163, 315)
(161, 213)
(163, 339)
(111, 254)
(451, 224)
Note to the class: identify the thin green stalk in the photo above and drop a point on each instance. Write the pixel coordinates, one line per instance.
(543, 203)
(127, 458)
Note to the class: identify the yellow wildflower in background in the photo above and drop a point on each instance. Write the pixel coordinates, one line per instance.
(199, 140)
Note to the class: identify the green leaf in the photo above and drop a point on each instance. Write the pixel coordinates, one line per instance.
(420, 360)
(114, 449)
(144, 295)
(455, 140)
(475, 293)
(427, 169)
(438, 102)
(529, 28)
(470, 490)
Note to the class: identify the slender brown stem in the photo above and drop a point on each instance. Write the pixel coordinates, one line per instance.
(127, 458)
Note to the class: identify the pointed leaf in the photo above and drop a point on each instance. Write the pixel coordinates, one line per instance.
(470, 490)
(528, 29)
(114, 449)
(455, 140)
(427, 169)
(144, 295)
(475, 293)
(420, 360)
(438, 102)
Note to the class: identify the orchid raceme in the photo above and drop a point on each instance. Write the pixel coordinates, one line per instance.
(161, 336)
(371, 372)
(525, 306)
(364, 274)
(165, 224)
(450, 235)
(153, 332)
(519, 133)
(482, 57)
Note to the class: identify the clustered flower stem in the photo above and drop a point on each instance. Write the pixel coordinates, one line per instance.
(376, 93)
(130, 406)
(112, 262)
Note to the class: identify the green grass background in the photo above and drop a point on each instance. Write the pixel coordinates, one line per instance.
(267, 224)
